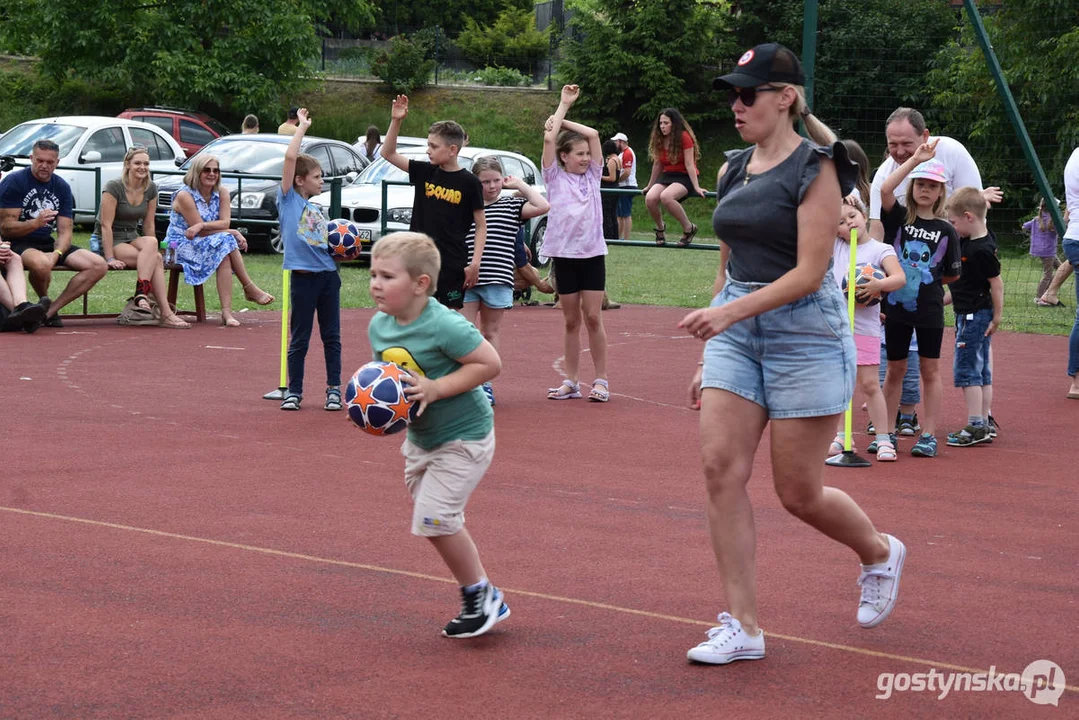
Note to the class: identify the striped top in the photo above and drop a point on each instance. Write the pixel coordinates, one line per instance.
(503, 222)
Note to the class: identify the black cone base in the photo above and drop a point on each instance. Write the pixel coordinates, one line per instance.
(849, 459)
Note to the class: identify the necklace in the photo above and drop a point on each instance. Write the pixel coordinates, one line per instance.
(746, 180)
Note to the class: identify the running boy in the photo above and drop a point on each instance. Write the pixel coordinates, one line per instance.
(448, 200)
(315, 283)
(978, 299)
(928, 250)
(451, 443)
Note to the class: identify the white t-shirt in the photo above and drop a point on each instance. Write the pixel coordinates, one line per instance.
(1071, 195)
(962, 172)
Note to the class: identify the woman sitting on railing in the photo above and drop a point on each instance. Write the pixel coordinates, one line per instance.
(205, 244)
(125, 202)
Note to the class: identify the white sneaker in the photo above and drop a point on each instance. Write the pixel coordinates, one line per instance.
(880, 586)
(727, 643)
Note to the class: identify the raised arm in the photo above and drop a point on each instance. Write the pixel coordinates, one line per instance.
(398, 111)
(553, 126)
(595, 147)
(288, 171)
(925, 151)
(535, 204)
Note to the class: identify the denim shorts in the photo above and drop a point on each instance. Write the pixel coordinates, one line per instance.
(624, 206)
(795, 361)
(971, 365)
(497, 297)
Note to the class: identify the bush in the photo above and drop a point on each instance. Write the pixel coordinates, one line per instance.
(406, 66)
(512, 41)
(504, 77)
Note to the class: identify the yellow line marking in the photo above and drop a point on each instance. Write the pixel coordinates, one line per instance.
(526, 593)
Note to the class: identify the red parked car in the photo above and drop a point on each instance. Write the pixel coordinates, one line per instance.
(191, 129)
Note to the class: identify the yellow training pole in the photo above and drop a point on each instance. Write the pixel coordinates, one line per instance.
(848, 458)
(849, 420)
(279, 393)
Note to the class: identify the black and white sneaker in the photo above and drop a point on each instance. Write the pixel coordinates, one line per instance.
(480, 610)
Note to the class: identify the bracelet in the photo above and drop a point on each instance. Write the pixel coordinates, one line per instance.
(109, 259)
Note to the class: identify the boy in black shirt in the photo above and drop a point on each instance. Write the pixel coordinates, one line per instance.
(448, 200)
(978, 299)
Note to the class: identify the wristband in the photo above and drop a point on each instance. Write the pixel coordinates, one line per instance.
(109, 259)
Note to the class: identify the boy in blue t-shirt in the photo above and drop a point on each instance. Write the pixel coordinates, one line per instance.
(451, 442)
(315, 283)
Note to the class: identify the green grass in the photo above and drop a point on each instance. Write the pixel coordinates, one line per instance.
(669, 276)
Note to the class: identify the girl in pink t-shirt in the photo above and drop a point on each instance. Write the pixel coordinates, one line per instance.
(572, 166)
(867, 316)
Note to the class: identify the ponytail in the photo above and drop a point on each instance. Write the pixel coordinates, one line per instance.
(816, 129)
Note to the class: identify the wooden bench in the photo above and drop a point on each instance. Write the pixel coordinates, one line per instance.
(174, 271)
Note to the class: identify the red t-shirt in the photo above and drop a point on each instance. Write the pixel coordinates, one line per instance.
(680, 165)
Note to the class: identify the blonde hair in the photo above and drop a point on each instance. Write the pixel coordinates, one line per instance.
(125, 174)
(487, 162)
(817, 131)
(967, 200)
(305, 165)
(938, 206)
(417, 253)
(198, 163)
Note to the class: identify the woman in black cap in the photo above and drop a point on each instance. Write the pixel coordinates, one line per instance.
(778, 347)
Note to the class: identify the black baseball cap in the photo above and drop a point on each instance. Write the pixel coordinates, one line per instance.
(767, 63)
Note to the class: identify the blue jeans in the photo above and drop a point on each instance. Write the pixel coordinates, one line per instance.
(314, 292)
(912, 394)
(795, 361)
(971, 364)
(1071, 251)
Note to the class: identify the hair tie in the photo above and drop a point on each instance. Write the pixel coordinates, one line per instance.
(806, 112)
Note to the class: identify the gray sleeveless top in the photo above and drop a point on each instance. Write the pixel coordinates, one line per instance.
(757, 217)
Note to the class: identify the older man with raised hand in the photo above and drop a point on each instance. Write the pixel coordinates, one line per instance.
(33, 203)
(906, 131)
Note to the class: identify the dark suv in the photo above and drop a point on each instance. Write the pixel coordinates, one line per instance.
(191, 129)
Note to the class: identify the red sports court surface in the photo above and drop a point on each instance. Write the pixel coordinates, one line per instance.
(176, 547)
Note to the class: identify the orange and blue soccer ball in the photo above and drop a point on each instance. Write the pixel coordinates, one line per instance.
(376, 401)
(862, 275)
(344, 239)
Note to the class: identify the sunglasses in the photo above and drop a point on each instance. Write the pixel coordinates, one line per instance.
(748, 95)
(211, 171)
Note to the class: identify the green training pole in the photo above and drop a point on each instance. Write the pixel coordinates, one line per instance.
(279, 393)
(848, 458)
(1016, 119)
(810, 16)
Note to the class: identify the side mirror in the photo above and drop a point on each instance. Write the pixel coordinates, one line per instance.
(179, 161)
(90, 156)
(530, 179)
(351, 177)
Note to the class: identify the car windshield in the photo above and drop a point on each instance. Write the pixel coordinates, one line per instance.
(255, 157)
(19, 141)
(217, 127)
(381, 169)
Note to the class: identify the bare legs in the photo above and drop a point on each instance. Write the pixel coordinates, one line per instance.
(584, 305)
(89, 267)
(731, 428)
(667, 196)
(141, 253)
(461, 557)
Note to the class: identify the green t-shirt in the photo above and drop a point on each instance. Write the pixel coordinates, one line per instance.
(430, 346)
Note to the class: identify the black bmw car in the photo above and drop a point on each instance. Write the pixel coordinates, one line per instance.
(262, 154)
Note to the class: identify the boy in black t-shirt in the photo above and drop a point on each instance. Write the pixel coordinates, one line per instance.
(448, 200)
(978, 299)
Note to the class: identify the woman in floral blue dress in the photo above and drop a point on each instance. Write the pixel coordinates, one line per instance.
(205, 244)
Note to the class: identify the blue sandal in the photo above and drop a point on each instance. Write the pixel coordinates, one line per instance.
(291, 402)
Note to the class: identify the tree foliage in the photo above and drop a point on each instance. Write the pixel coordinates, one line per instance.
(408, 63)
(398, 16)
(238, 55)
(511, 41)
(632, 58)
(1037, 43)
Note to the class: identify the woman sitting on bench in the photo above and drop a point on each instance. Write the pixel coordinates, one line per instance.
(205, 244)
(124, 203)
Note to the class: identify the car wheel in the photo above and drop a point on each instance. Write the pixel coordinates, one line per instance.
(536, 245)
(276, 241)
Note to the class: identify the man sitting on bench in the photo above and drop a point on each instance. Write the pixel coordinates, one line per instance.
(34, 202)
